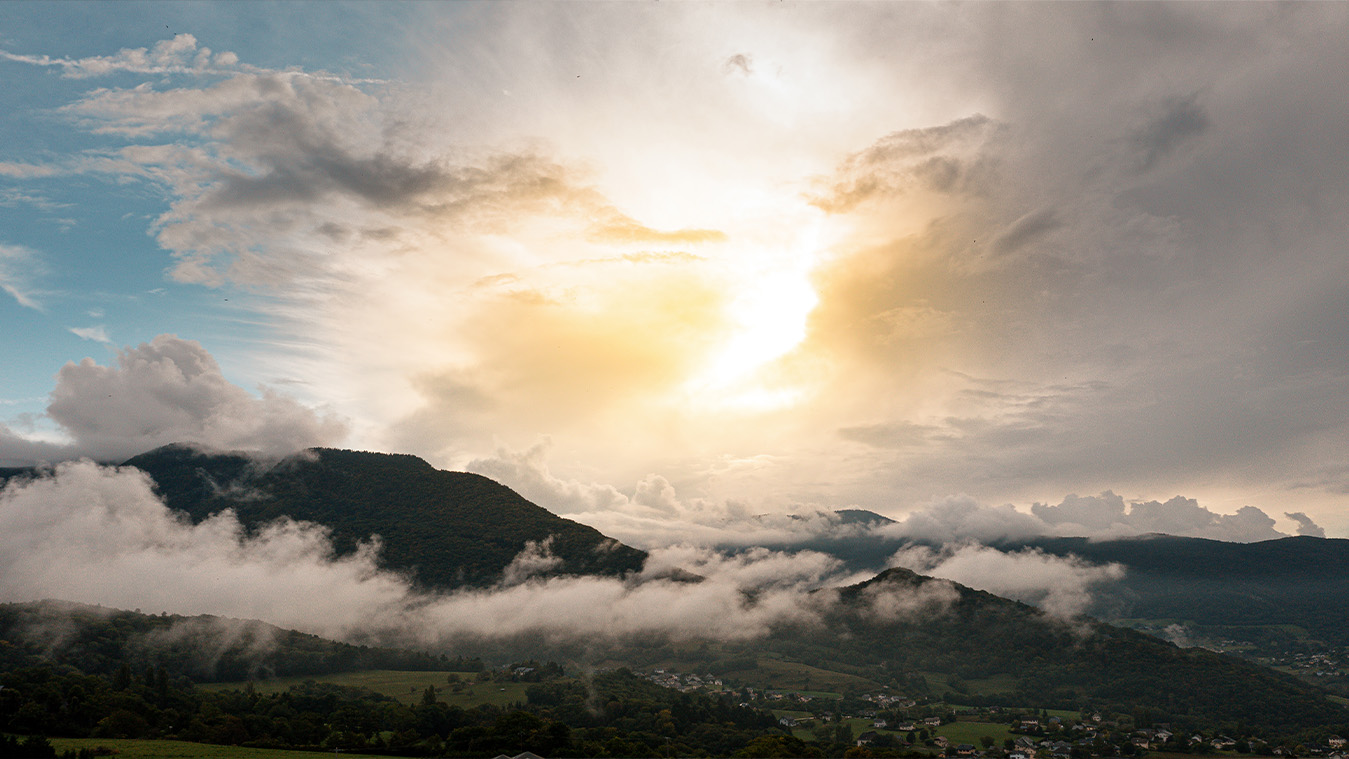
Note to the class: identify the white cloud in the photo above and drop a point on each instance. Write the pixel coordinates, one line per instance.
(99, 535)
(169, 390)
(17, 265)
(179, 55)
(1060, 585)
(94, 534)
(1107, 515)
(98, 333)
(961, 518)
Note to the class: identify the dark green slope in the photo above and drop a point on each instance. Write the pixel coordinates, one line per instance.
(446, 529)
(981, 635)
(99, 640)
(1301, 581)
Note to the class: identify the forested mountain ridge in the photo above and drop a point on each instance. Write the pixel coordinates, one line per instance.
(980, 635)
(1241, 591)
(445, 529)
(1302, 581)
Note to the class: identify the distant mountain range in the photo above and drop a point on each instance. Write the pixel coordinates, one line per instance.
(1250, 592)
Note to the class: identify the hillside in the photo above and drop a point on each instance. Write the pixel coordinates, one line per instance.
(1268, 594)
(89, 672)
(98, 640)
(1299, 581)
(446, 529)
(982, 636)
(930, 639)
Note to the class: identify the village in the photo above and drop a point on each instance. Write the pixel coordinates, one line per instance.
(889, 721)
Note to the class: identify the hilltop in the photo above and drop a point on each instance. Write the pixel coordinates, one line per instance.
(445, 529)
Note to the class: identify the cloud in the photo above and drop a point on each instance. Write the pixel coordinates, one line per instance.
(1305, 525)
(98, 333)
(100, 535)
(339, 159)
(179, 55)
(739, 63)
(169, 390)
(536, 558)
(95, 534)
(943, 159)
(960, 519)
(27, 170)
(1106, 515)
(1106, 255)
(1060, 585)
(17, 265)
(653, 514)
(1180, 120)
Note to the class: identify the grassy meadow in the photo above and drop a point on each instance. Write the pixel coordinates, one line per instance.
(407, 687)
(132, 748)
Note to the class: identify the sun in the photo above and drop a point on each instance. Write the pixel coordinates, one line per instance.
(768, 317)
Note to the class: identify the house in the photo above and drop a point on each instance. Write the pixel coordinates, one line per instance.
(906, 727)
(880, 723)
(964, 749)
(865, 739)
(941, 741)
(1336, 741)
(787, 722)
(932, 721)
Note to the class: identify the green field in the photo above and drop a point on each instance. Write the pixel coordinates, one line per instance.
(776, 674)
(971, 732)
(407, 687)
(1005, 683)
(130, 748)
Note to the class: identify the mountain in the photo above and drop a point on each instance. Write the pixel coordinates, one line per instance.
(1249, 590)
(979, 636)
(931, 639)
(1268, 594)
(446, 529)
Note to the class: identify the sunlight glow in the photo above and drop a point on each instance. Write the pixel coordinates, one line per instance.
(769, 314)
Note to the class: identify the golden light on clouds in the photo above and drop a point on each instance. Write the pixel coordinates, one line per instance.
(883, 251)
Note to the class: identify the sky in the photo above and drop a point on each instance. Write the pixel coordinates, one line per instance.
(663, 267)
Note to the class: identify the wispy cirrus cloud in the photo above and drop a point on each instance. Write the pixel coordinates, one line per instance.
(18, 267)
